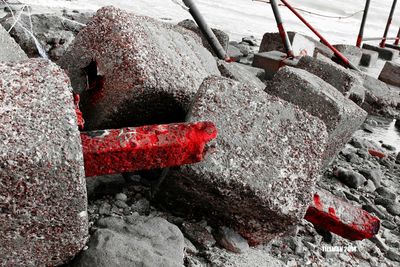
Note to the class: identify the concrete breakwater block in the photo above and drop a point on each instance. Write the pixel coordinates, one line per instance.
(242, 73)
(341, 116)
(368, 58)
(393, 46)
(136, 70)
(43, 213)
(301, 45)
(9, 49)
(390, 74)
(351, 52)
(384, 53)
(272, 61)
(258, 176)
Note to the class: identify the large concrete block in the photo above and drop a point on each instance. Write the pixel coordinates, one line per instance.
(391, 74)
(351, 52)
(341, 116)
(261, 169)
(392, 46)
(384, 53)
(9, 49)
(368, 58)
(136, 70)
(320, 48)
(43, 213)
(301, 45)
(242, 73)
(272, 61)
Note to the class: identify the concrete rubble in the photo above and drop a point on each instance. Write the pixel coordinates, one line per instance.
(390, 74)
(9, 49)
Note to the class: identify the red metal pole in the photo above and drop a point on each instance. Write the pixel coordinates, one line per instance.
(389, 21)
(143, 148)
(324, 41)
(363, 21)
(397, 38)
(282, 32)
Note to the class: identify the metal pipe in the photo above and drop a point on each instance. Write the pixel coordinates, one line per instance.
(364, 19)
(282, 32)
(396, 42)
(323, 40)
(389, 21)
(206, 30)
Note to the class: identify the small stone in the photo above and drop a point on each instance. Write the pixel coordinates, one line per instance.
(386, 193)
(393, 209)
(251, 40)
(189, 247)
(389, 225)
(349, 177)
(394, 256)
(367, 128)
(379, 243)
(373, 209)
(231, 240)
(369, 187)
(141, 206)
(198, 235)
(105, 209)
(383, 201)
(121, 204)
(121, 197)
(389, 147)
(351, 196)
(373, 174)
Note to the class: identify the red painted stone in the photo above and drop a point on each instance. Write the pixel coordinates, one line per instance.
(339, 217)
(376, 153)
(147, 147)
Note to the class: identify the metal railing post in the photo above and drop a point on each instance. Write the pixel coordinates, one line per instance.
(282, 32)
(396, 42)
(389, 21)
(364, 19)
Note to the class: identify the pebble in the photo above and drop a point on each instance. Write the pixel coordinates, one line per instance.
(351, 196)
(386, 193)
(121, 197)
(389, 225)
(349, 177)
(231, 240)
(367, 128)
(375, 175)
(251, 40)
(141, 206)
(105, 209)
(121, 204)
(198, 234)
(394, 209)
(379, 243)
(392, 255)
(189, 247)
(373, 209)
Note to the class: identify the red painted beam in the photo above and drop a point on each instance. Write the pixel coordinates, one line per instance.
(143, 148)
(340, 217)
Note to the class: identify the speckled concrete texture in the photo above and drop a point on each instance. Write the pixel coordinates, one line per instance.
(9, 49)
(43, 203)
(341, 116)
(149, 70)
(260, 170)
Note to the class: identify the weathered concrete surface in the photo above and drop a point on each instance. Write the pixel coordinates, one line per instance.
(351, 52)
(320, 48)
(341, 116)
(242, 73)
(392, 46)
(391, 74)
(368, 58)
(342, 79)
(141, 71)
(384, 53)
(9, 49)
(263, 164)
(300, 44)
(272, 61)
(43, 199)
(135, 241)
(222, 37)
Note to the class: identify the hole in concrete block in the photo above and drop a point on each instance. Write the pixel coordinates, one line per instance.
(94, 81)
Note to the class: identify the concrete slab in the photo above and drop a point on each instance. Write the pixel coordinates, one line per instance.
(384, 53)
(263, 164)
(301, 46)
(391, 74)
(242, 73)
(351, 52)
(341, 116)
(392, 46)
(272, 61)
(136, 70)
(9, 49)
(368, 58)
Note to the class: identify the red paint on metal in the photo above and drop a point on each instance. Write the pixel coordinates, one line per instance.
(79, 117)
(376, 153)
(359, 40)
(383, 43)
(396, 42)
(341, 218)
(147, 147)
(282, 34)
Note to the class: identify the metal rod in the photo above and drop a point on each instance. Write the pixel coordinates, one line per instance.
(396, 42)
(206, 30)
(282, 32)
(389, 21)
(363, 21)
(323, 40)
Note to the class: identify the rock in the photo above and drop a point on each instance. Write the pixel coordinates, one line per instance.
(389, 147)
(121, 197)
(141, 241)
(392, 255)
(389, 225)
(189, 247)
(357, 95)
(386, 193)
(369, 187)
(234, 53)
(367, 128)
(199, 235)
(43, 210)
(300, 45)
(105, 209)
(149, 72)
(222, 37)
(272, 61)
(379, 243)
(393, 209)
(351, 196)
(351, 52)
(368, 58)
(241, 73)
(141, 206)
(104, 185)
(267, 156)
(231, 240)
(9, 49)
(390, 73)
(349, 177)
(375, 175)
(344, 257)
(54, 33)
(341, 116)
(384, 53)
(251, 40)
(244, 48)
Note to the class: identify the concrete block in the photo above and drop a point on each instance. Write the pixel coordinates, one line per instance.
(392, 46)
(351, 52)
(9, 49)
(136, 70)
(384, 53)
(263, 164)
(339, 77)
(341, 116)
(368, 58)
(242, 73)
(301, 46)
(43, 198)
(272, 61)
(391, 74)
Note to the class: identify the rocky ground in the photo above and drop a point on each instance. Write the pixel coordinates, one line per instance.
(128, 225)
